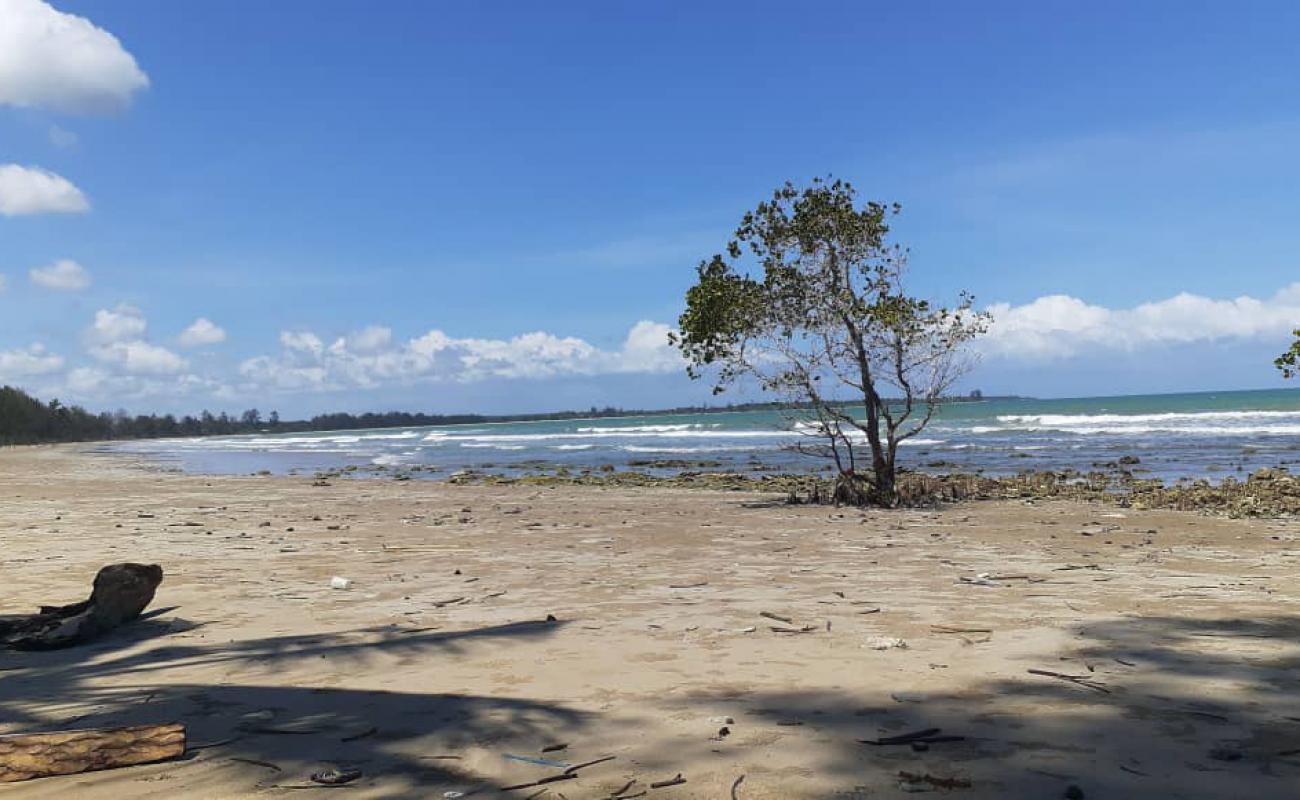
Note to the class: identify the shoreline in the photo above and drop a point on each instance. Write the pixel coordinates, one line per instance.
(438, 662)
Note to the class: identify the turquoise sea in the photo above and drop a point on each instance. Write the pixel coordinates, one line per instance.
(1211, 435)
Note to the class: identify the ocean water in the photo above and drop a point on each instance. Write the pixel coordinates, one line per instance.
(1204, 435)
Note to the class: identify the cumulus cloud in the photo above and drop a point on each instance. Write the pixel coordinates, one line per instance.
(116, 338)
(35, 360)
(140, 357)
(371, 358)
(32, 190)
(202, 331)
(1060, 326)
(61, 276)
(49, 59)
(116, 325)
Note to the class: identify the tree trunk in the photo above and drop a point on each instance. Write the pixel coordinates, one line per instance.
(120, 593)
(39, 755)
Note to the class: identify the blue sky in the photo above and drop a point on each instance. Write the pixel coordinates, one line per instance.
(328, 182)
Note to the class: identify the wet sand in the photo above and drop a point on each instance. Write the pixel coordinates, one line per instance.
(1179, 634)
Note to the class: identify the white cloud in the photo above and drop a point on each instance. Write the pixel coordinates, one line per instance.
(140, 357)
(65, 275)
(1060, 326)
(371, 359)
(32, 190)
(202, 331)
(116, 338)
(119, 324)
(35, 360)
(49, 59)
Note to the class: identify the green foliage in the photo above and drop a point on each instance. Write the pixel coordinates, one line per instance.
(808, 301)
(1289, 362)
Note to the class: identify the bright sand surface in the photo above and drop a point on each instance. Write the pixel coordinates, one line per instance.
(437, 662)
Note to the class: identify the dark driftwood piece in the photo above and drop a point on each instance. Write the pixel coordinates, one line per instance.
(38, 755)
(120, 593)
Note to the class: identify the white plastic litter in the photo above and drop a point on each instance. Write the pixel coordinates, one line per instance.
(338, 582)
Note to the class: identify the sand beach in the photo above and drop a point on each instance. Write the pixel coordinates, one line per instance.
(493, 636)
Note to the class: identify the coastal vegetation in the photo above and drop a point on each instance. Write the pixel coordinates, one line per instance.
(1289, 362)
(809, 303)
(26, 420)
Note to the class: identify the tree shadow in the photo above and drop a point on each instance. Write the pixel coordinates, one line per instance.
(269, 735)
(1179, 707)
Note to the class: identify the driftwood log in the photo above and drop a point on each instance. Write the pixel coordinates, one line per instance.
(25, 756)
(120, 593)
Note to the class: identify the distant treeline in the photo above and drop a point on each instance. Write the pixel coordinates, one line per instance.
(26, 420)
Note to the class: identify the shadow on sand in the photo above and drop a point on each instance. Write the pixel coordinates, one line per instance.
(400, 737)
(1180, 707)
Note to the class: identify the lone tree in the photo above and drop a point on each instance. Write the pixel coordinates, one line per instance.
(809, 302)
(1289, 362)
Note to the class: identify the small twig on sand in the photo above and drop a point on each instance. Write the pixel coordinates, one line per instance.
(371, 731)
(804, 629)
(688, 585)
(735, 787)
(563, 776)
(955, 629)
(1078, 680)
(926, 736)
(671, 782)
(574, 768)
(776, 617)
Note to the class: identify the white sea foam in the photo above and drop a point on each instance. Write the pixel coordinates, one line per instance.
(1206, 423)
(603, 430)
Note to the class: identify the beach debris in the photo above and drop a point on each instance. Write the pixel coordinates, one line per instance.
(748, 629)
(927, 779)
(339, 582)
(555, 748)
(624, 789)
(590, 763)
(982, 579)
(735, 787)
(38, 755)
(777, 617)
(119, 594)
(925, 735)
(957, 629)
(695, 585)
(674, 781)
(1078, 680)
(885, 643)
(335, 777)
(783, 629)
(541, 762)
(563, 776)
(371, 731)
(722, 720)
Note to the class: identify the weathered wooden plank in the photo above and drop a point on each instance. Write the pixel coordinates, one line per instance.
(24, 756)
